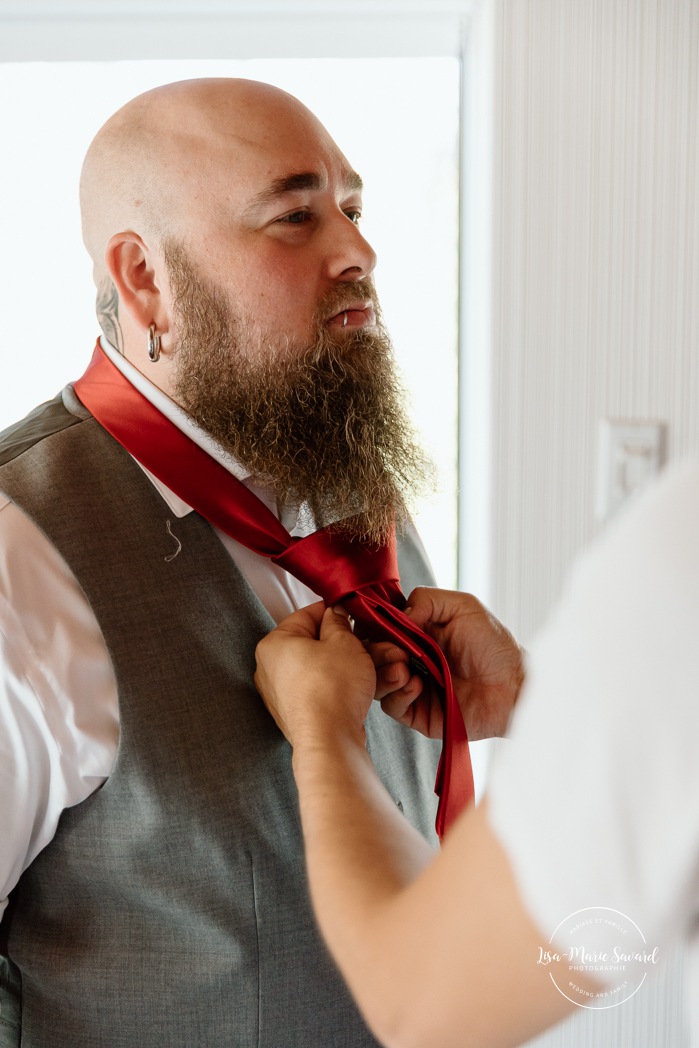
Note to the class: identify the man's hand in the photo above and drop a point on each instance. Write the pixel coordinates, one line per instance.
(315, 676)
(485, 660)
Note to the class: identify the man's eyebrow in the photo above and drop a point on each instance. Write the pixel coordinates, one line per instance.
(303, 180)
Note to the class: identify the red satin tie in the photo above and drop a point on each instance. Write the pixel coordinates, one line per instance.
(337, 568)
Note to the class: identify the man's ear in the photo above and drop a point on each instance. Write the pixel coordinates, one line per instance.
(137, 278)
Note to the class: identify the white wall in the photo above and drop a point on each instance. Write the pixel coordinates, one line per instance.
(595, 306)
(595, 264)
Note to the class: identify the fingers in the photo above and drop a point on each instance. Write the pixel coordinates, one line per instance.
(385, 653)
(305, 622)
(420, 608)
(391, 664)
(416, 709)
(396, 702)
(333, 620)
(429, 605)
(391, 678)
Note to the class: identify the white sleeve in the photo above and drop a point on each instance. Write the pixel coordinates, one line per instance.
(596, 797)
(58, 705)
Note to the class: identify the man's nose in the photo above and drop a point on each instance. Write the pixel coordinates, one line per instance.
(350, 255)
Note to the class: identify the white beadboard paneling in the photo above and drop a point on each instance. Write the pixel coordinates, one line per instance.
(595, 264)
(595, 310)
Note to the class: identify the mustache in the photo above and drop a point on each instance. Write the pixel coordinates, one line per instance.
(344, 297)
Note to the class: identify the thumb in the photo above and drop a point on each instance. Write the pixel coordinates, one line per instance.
(420, 606)
(335, 620)
(303, 623)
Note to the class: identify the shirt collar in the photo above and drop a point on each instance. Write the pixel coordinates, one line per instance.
(172, 411)
(296, 522)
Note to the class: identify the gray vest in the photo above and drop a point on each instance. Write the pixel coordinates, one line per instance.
(171, 907)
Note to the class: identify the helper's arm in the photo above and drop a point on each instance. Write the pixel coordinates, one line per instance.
(439, 949)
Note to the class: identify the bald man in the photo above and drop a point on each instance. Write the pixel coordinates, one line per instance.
(151, 850)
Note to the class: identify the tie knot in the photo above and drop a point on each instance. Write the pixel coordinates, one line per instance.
(333, 564)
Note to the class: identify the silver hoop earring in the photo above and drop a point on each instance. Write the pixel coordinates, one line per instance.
(153, 344)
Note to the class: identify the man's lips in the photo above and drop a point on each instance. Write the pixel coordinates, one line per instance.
(355, 315)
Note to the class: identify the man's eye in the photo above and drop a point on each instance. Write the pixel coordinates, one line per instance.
(354, 215)
(296, 218)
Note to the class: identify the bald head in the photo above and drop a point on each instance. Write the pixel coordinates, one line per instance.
(151, 157)
(243, 182)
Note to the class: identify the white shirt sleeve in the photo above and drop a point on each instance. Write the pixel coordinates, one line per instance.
(58, 713)
(596, 797)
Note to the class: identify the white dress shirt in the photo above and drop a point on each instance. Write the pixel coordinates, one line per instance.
(59, 715)
(596, 797)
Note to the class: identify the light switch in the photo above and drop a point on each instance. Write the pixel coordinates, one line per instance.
(630, 454)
